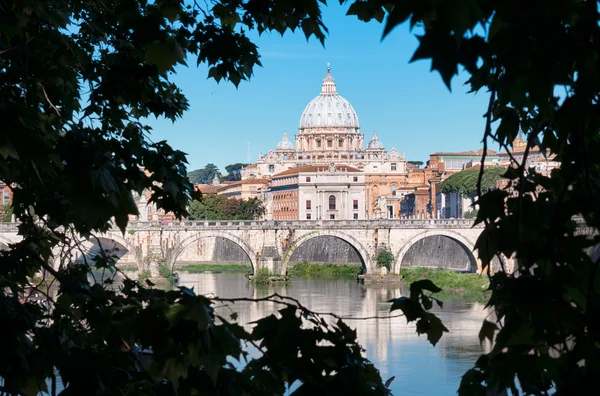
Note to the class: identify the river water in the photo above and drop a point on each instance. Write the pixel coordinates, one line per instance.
(391, 344)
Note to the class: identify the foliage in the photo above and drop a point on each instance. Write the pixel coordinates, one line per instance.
(470, 287)
(323, 270)
(6, 213)
(79, 80)
(385, 259)
(144, 274)
(217, 268)
(416, 163)
(540, 63)
(165, 271)
(416, 307)
(204, 175)
(234, 171)
(220, 207)
(264, 276)
(465, 182)
(470, 214)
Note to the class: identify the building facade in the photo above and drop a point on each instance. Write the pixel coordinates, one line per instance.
(334, 192)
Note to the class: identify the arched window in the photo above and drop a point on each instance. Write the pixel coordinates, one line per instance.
(393, 189)
(332, 202)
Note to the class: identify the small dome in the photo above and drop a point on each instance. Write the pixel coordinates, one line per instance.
(285, 144)
(329, 109)
(375, 143)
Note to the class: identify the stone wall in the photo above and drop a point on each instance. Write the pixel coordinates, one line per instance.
(437, 251)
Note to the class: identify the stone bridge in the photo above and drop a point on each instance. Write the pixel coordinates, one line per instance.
(270, 244)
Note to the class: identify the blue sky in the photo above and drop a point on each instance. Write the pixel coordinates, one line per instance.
(408, 106)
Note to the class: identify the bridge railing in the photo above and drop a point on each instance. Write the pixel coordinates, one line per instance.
(303, 224)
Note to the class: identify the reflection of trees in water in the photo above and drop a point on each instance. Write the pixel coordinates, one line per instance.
(390, 343)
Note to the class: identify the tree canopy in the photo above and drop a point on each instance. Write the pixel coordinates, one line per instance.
(204, 175)
(466, 181)
(219, 207)
(78, 81)
(234, 171)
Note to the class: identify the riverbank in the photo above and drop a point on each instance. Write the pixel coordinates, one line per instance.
(471, 287)
(216, 268)
(323, 270)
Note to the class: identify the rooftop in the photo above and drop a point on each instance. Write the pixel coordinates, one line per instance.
(317, 168)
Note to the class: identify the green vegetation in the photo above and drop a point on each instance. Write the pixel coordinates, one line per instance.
(234, 171)
(219, 207)
(204, 175)
(264, 276)
(384, 259)
(471, 287)
(6, 213)
(323, 270)
(144, 274)
(470, 214)
(465, 181)
(127, 267)
(79, 81)
(217, 268)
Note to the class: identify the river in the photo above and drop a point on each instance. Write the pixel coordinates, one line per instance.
(391, 344)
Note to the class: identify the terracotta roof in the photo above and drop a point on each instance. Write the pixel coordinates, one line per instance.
(315, 168)
(248, 181)
(250, 166)
(210, 189)
(464, 153)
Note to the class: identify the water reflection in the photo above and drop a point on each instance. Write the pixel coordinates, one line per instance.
(390, 343)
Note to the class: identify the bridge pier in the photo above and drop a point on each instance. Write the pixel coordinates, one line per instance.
(270, 260)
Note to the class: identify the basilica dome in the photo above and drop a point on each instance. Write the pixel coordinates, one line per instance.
(329, 109)
(375, 143)
(285, 144)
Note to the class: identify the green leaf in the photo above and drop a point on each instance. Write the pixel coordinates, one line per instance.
(411, 309)
(427, 303)
(7, 150)
(164, 55)
(436, 328)
(425, 284)
(509, 126)
(399, 14)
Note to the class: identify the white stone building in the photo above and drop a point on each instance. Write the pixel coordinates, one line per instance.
(334, 192)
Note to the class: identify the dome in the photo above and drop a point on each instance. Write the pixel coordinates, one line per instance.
(285, 144)
(375, 143)
(329, 109)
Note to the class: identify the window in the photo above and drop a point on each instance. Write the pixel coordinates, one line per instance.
(308, 204)
(308, 179)
(393, 189)
(308, 216)
(332, 202)
(355, 178)
(318, 143)
(330, 143)
(393, 166)
(375, 156)
(355, 204)
(340, 142)
(355, 216)
(332, 217)
(271, 168)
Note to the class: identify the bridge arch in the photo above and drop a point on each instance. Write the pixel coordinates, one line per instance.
(213, 234)
(112, 245)
(464, 242)
(353, 242)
